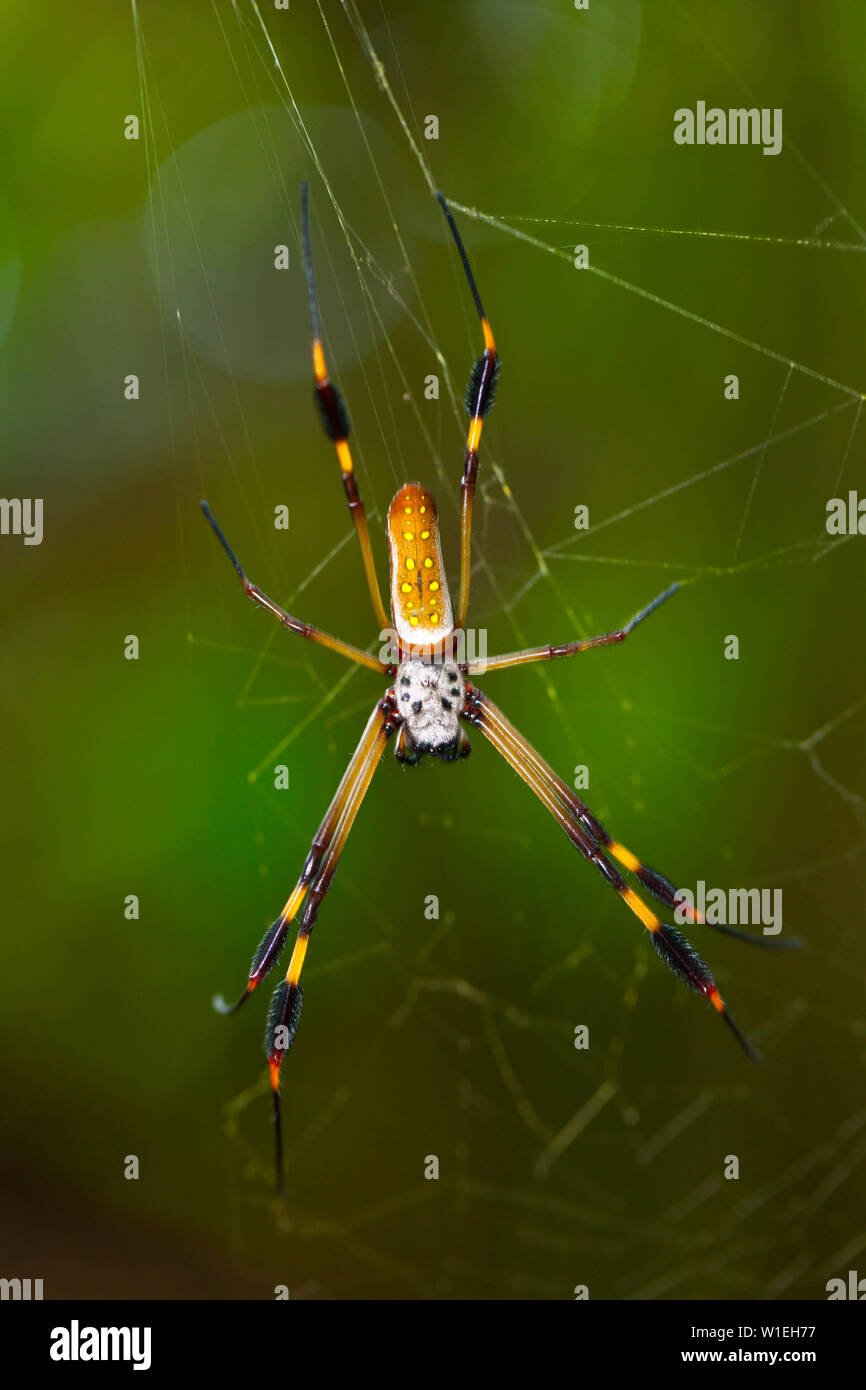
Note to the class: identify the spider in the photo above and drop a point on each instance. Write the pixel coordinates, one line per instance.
(431, 692)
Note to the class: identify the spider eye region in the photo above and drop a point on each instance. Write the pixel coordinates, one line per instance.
(431, 698)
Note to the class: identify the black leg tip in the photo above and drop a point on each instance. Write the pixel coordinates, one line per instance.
(221, 1007)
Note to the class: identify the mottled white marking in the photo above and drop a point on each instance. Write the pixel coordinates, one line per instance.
(427, 701)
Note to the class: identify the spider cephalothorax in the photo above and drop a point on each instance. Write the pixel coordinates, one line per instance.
(429, 697)
(431, 693)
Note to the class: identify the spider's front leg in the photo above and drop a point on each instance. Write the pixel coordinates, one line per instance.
(314, 882)
(335, 420)
(480, 395)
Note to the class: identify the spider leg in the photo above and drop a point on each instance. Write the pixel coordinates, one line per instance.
(670, 944)
(335, 420)
(272, 942)
(480, 394)
(652, 880)
(608, 639)
(313, 634)
(314, 882)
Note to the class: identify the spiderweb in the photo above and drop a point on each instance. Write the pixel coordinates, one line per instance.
(558, 1167)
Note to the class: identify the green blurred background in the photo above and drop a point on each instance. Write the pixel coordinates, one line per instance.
(154, 777)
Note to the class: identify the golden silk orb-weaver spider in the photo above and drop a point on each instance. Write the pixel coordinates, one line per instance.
(431, 692)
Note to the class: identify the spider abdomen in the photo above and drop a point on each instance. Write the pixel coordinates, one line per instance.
(420, 601)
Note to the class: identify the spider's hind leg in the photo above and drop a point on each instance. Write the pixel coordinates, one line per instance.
(405, 749)
(460, 748)
(587, 835)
